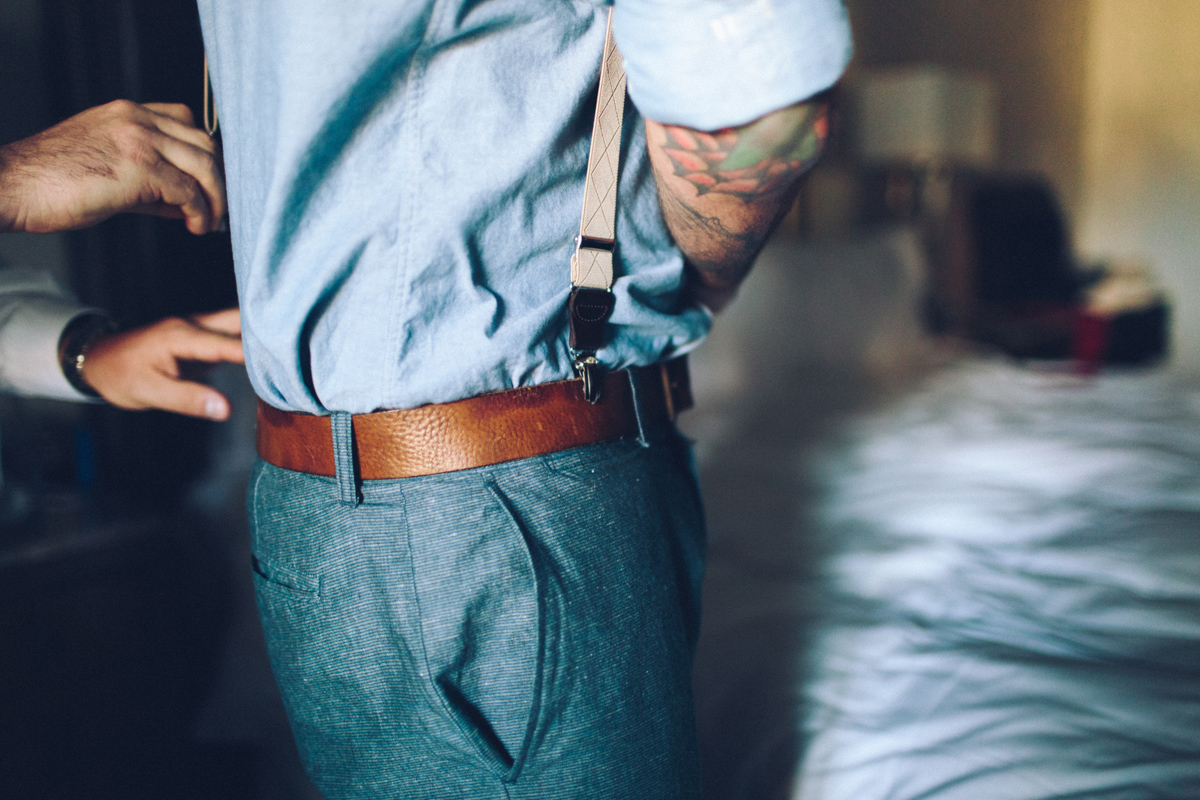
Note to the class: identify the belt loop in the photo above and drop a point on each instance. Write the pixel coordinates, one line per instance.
(342, 425)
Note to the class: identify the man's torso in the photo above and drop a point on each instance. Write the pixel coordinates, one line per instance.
(405, 183)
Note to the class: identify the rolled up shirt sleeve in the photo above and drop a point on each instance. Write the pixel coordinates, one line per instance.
(709, 64)
(34, 310)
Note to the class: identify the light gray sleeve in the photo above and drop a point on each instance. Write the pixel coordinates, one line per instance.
(710, 64)
(34, 309)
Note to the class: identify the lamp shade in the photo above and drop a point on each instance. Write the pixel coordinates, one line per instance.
(926, 115)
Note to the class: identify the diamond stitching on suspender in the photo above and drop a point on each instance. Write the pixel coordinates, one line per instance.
(591, 300)
(594, 268)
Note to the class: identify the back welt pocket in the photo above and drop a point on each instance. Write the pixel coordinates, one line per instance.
(277, 575)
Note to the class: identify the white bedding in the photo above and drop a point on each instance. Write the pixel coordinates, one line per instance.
(1010, 566)
(986, 588)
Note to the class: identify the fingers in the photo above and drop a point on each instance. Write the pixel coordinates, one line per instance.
(176, 188)
(194, 153)
(140, 369)
(203, 170)
(111, 159)
(176, 111)
(185, 132)
(202, 162)
(228, 322)
(191, 342)
(184, 397)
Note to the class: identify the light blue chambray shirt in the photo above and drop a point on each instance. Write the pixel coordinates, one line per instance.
(405, 178)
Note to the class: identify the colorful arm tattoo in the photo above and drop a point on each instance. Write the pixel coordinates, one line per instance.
(753, 161)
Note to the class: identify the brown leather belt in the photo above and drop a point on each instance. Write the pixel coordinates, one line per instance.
(479, 431)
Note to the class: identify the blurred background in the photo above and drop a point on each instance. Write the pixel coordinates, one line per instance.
(949, 437)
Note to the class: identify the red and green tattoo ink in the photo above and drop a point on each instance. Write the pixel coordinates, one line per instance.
(752, 161)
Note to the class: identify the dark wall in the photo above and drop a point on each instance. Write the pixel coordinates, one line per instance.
(115, 599)
(1034, 52)
(76, 54)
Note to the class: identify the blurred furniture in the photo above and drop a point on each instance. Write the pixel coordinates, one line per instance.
(1010, 584)
(1009, 279)
(1001, 269)
(936, 579)
(921, 132)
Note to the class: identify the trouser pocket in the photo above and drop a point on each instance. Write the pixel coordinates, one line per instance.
(480, 617)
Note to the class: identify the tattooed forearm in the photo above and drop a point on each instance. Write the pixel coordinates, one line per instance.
(723, 192)
(716, 250)
(759, 159)
(717, 258)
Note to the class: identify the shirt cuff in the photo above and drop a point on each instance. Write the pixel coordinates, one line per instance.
(709, 64)
(29, 339)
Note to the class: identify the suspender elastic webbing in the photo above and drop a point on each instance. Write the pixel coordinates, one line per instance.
(591, 301)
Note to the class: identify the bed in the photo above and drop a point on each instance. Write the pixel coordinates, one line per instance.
(938, 575)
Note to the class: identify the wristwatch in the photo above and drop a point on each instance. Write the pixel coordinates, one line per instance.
(79, 335)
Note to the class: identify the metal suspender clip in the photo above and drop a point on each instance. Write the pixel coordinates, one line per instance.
(593, 243)
(589, 310)
(592, 372)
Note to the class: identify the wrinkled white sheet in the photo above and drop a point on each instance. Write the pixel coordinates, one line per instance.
(1011, 605)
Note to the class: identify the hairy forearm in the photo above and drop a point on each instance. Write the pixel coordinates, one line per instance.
(723, 192)
(116, 158)
(11, 190)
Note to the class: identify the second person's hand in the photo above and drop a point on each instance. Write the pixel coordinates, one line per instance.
(141, 369)
(115, 158)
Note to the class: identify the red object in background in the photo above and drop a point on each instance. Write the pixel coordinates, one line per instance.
(1090, 341)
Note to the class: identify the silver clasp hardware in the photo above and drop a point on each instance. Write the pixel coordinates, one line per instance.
(593, 243)
(591, 370)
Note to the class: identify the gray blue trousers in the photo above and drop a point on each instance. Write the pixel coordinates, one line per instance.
(524, 630)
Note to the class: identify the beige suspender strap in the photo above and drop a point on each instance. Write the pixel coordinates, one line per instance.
(591, 301)
(592, 264)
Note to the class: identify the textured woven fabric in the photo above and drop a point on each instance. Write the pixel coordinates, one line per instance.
(406, 179)
(524, 630)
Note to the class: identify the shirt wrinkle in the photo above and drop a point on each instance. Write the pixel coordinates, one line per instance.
(405, 180)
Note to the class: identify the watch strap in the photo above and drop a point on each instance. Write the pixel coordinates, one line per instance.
(77, 338)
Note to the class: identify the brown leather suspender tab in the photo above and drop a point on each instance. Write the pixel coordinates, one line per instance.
(590, 310)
